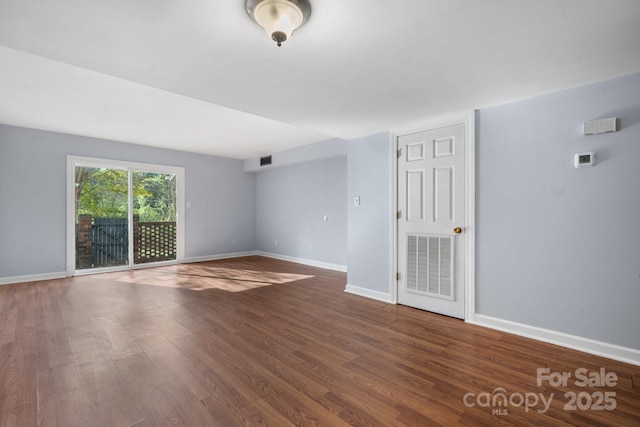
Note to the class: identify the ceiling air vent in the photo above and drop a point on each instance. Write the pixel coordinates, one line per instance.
(265, 161)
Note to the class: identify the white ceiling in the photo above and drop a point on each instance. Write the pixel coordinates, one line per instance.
(200, 76)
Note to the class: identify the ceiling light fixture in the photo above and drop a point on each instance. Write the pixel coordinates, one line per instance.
(279, 18)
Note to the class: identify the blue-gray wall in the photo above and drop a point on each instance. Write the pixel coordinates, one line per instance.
(370, 176)
(291, 204)
(33, 198)
(292, 200)
(306, 153)
(559, 247)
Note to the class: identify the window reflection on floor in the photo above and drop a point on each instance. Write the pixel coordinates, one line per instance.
(199, 278)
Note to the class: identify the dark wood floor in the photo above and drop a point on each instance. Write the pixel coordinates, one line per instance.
(256, 341)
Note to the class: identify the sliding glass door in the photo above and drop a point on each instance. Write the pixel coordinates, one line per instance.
(154, 217)
(122, 215)
(102, 217)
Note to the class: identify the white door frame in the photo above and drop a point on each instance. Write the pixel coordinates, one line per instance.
(117, 164)
(470, 206)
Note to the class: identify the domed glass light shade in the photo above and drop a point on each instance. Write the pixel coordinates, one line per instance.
(279, 18)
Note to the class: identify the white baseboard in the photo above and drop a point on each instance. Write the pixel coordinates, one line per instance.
(219, 256)
(587, 345)
(33, 277)
(62, 274)
(369, 293)
(304, 261)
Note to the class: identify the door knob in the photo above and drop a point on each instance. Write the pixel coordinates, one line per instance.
(457, 230)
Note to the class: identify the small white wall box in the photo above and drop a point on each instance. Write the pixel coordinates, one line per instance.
(593, 127)
(585, 159)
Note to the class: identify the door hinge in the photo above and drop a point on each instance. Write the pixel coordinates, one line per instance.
(399, 152)
(397, 276)
(399, 214)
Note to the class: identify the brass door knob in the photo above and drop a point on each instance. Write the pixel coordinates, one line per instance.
(457, 230)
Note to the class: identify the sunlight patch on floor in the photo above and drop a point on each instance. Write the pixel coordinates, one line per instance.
(200, 278)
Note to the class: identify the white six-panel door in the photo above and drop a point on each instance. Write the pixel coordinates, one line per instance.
(431, 200)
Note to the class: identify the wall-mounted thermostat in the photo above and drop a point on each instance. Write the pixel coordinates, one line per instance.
(585, 159)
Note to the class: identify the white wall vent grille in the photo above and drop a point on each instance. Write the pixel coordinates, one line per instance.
(593, 127)
(430, 265)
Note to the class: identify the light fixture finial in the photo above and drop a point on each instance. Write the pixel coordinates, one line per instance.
(279, 18)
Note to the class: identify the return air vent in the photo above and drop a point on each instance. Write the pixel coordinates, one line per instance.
(430, 265)
(593, 127)
(265, 161)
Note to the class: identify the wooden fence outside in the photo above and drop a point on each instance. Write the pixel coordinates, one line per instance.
(110, 242)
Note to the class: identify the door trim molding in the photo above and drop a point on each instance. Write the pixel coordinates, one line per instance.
(73, 160)
(468, 119)
(470, 211)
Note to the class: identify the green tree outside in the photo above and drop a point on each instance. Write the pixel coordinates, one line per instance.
(103, 193)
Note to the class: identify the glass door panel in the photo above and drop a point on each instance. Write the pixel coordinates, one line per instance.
(154, 217)
(101, 217)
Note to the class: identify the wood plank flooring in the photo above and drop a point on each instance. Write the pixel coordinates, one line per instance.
(255, 341)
